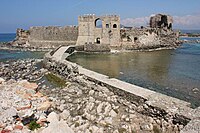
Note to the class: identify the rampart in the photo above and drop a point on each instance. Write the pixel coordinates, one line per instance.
(52, 36)
(103, 33)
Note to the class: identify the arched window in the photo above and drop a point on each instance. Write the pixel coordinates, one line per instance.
(135, 39)
(98, 40)
(107, 25)
(170, 26)
(98, 23)
(114, 25)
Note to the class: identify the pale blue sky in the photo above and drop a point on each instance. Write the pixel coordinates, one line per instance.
(25, 13)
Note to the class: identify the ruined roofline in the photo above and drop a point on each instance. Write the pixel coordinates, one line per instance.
(66, 26)
(160, 14)
(93, 15)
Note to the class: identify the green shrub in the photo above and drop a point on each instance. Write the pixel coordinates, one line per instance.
(33, 125)
(55, 80)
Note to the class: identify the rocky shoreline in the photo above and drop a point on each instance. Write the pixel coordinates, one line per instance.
(81, 106)
(196, 41)
(10, 46)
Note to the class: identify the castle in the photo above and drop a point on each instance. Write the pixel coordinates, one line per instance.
(104, 36)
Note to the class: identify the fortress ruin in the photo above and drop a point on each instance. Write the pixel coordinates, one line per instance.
(103, 36)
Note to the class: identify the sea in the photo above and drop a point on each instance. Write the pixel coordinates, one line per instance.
(6, 55)
(172, 72)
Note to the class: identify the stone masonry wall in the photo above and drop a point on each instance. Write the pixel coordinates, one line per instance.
(52, 36)
(107, 34)
(21, 37)
(148, 38)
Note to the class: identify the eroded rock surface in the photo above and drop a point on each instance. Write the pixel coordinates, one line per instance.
(93, 108)
(82, 106)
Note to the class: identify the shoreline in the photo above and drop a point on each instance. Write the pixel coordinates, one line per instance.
(189, 37)
(81, 106)
(14, 48)
(126, 90)
(86, 104)
(7, 46)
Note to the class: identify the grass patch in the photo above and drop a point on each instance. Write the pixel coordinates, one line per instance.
(33, 125)
(56, 80)
(122, 130)
(156, 129)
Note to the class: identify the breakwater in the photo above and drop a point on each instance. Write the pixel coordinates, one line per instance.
(154, 104)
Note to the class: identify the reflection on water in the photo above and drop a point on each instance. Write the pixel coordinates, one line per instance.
(172, 72)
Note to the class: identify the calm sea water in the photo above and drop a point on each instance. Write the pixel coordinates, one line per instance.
(172, 72)
(13, 55)
(190, 31)
(6, 37)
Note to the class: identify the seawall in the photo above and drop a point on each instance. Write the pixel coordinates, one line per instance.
(155, 104)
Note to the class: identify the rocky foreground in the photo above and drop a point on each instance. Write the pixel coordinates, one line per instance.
(80, 106)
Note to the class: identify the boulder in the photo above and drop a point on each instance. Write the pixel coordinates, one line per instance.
(1, 80)
(146, 127)
(18, 127)
(44, 106)
(58, 127)
(28, 85)
(65, 114)
(53, 117)
(99, 108)
(113, 113)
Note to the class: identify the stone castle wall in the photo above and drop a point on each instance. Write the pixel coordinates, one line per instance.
(52, 33)
(107, 34)
(52, 36)
(21, 37)
(104, 37)
(148, 38)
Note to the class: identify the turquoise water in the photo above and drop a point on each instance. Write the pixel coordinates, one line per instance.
(172, 72)
(14, 55)
(6, 37)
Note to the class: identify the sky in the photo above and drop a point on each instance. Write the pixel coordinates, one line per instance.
(26, 13)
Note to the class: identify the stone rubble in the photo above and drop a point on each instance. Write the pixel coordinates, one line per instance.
(93, 108)
(21, 69)
(81, 107)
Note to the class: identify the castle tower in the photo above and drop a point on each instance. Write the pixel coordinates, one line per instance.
(107, 32)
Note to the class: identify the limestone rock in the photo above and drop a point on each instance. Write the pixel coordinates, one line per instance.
(100, 107)
(113, 113)
(91, 92)
(44, 106)
(28, 85)
(58, 127)
(53, 117)
(1, 80)
(65, 114)
(146, 127)
(18, 127)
